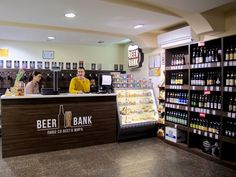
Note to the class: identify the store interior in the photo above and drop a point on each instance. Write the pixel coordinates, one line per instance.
(182, 90)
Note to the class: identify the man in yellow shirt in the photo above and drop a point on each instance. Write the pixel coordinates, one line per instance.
(79, 84)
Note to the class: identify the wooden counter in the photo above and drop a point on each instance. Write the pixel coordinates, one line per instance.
(32, 124)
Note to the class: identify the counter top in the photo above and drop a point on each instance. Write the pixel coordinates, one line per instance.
(30, 96)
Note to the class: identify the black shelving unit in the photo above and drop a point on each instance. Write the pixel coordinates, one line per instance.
(205, 73)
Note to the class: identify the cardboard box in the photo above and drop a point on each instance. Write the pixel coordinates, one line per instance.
(174, 135)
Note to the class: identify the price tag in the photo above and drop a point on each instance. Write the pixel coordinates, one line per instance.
(230, 63)
(213, 112)
(210, 135)
(199, 132)
(225, 63)
(229, 114)
(226, 89)
(234, 63)
(217, 88)
(230, 89)
(233, 115)
(216, 137)
(194, 131)
(218, 64)
(205, 133)
(208, 65)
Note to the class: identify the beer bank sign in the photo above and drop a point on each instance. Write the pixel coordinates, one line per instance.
(135, 56)
(64, 123)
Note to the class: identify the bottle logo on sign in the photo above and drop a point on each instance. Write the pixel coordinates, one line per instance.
(68, 121)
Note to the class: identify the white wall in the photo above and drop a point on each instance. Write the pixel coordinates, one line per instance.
(32, 51)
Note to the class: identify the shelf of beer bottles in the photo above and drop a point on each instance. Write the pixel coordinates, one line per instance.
(229, 63)
(205, 65)
(180, 67)
(178, 87)
(230, 89)
(175, 125)
(204, 133)
(228, 139)
(206, 111)
(176, 106)
(229, 114)
(207, 88)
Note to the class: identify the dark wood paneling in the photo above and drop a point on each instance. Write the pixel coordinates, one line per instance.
(19, 128)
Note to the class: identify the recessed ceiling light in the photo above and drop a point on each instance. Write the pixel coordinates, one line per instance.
(70, 15)
(138, 26)
(51, 37)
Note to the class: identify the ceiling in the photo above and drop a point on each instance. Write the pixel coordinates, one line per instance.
(110, 21)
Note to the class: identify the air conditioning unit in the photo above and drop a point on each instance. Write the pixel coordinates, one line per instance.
(177, 37)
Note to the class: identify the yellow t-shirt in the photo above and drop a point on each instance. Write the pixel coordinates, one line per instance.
(77, 85)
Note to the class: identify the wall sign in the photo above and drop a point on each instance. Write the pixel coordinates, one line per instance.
(48, 54)
(135, 56)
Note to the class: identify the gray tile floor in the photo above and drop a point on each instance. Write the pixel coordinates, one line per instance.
(141, 158)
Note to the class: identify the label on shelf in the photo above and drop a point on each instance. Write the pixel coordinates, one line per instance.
(210, 135)
(205, 65)
(234, 63)
(205, 88)
(211, 88)
(186, 108)
(208, 65)
(205, 133)
(177, 106)
(202, 115)
(229, 114)
(208, 111)
(217, 88)
(230, 89)
(192, 109)
(194, 131)
(193, 87)
(199, 132)
(218, 64)
(225, 63)
(226, 89)
(231, 63)
(217, 137)
(206, 92)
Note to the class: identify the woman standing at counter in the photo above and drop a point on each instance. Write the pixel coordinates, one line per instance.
(79, 84)
(32, 86)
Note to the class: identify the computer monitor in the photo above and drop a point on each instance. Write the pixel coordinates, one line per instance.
(104, 83)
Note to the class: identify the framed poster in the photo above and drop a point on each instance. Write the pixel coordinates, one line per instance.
(48, 54)
(8, 64)
(93, 66)
(1, 63)
(39, 64)
(24, 64)
(74, 66)
(16, 64)
(32, 64)
(46, 64)
(68, 65)
(61, 65)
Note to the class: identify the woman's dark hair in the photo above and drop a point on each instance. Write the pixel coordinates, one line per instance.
(35, 73)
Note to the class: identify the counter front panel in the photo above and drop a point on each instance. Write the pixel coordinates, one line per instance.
(45, 124)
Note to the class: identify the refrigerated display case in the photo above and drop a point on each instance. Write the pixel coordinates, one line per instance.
(137, 112)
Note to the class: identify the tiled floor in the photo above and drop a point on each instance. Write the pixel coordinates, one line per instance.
(141, 158)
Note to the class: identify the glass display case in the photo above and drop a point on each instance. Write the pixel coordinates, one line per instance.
(136, 107)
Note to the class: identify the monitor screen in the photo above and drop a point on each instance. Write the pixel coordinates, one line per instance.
(106, 80)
